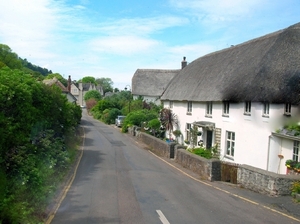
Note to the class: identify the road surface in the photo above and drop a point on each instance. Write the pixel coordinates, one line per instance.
(118, 181)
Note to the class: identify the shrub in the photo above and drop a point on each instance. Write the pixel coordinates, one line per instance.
(206, 153)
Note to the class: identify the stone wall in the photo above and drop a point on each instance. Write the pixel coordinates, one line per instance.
(248, 177)
(209, 169)
(265, 182)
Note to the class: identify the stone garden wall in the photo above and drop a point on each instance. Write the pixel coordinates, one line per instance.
(248, 177)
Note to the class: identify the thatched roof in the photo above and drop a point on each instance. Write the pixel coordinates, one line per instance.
(262, 69)
(151, 82)
(55, 81)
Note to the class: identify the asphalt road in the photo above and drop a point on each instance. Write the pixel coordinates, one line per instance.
(118, 181)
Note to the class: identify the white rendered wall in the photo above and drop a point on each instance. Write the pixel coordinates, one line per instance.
(252, 133)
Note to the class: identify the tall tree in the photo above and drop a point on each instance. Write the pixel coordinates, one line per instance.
(88, 79)
(9, 58)
(106, 83)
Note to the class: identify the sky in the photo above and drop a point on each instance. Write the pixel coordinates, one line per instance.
(114, 38)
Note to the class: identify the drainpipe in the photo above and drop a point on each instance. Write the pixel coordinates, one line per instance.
(268, 156)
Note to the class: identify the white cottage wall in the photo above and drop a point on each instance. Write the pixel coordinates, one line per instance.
(252, 133)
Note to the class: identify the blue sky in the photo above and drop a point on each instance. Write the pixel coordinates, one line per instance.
(113, 38)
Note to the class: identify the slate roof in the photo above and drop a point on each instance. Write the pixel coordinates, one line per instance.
(262, 69)
(151, 82)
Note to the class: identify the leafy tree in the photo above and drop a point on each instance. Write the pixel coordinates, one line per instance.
(92, 94)
(168, 120)
(9, 58)
(88, 79)
(106, 83)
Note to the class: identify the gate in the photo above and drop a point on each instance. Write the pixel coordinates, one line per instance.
(229, 172)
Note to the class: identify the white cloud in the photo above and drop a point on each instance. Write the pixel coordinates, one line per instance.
(218, 10)
(123, 45)
(141, 26)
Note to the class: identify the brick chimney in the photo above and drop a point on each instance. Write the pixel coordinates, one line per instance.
(183, 63)
(69, 84)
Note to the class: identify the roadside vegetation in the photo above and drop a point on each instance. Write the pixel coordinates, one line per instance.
(39, 138)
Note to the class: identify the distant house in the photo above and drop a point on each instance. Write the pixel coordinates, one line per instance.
(151, 83)
(240, 97)
(65, 91)
(80, 89)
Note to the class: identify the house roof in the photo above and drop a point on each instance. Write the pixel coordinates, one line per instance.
(151, 82)
(55, 81)
(262, 69)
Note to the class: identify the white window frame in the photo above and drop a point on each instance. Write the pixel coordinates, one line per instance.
(230, 143)
(209, 108)
(287, 109)
(188, 131)
(226, 108)
(189, 107)
(296, 151)
(266, 109)
(247, 108)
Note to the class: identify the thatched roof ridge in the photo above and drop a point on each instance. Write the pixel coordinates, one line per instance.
(259, 70)
(151, 82)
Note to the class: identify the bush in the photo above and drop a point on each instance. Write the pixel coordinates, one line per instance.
(206, 153)
(137, 117)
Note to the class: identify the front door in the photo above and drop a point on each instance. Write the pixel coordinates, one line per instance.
(209, 135)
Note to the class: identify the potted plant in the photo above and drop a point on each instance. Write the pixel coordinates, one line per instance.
(289, 164)
(297, 167)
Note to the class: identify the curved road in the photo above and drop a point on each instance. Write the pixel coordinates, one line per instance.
(118, 181)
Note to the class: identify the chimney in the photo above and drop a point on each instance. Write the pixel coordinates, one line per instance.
(183, 63)
(69, 84)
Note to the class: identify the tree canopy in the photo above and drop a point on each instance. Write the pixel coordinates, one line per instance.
(106, 83)
(92, 94)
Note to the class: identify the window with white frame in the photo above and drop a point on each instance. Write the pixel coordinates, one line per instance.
(209, 108)
(296, 151)
(171, 104)
(230, 142)
(189, 107)
(287, 109)
(188, 131)
(225, 108)
(247, 108)
(266, 109)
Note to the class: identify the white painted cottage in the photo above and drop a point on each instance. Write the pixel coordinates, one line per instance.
(240, 97)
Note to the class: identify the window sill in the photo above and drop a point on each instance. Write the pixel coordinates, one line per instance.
(287, 114)
(225, 115)
(247, 114)
(265, 115)
(188, 113)
(229, 157)
(208, 115)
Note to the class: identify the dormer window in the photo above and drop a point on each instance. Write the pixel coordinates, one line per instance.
(226, 109)
(208, 109)
(189, 107)
(266, 108)
(287, 109)
(247, 108)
